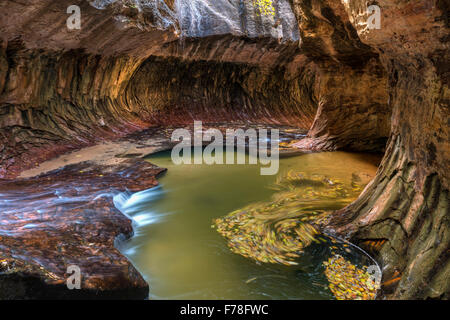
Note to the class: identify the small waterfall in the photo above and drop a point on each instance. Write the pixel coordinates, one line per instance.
(136, 206)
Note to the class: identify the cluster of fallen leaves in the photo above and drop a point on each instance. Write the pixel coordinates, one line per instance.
(348, 282)
(253, 234)
(278, 231)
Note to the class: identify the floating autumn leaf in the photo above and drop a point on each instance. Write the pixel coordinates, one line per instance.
(348, 282)
(278, 231)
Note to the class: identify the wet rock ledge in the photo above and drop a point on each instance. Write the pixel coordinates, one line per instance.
(67, 217)
(62, 214)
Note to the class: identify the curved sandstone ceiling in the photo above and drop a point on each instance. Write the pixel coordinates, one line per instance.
(314, 64)
(78, 86)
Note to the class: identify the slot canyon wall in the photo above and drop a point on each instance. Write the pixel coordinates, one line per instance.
(77, 87)
(314, 65)
(405, 209)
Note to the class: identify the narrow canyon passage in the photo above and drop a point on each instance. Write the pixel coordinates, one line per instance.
(81, 108)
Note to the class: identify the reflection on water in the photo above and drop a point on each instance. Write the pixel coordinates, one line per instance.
(182, 257)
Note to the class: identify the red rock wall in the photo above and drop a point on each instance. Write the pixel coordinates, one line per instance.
(405, 208)
(61, 89)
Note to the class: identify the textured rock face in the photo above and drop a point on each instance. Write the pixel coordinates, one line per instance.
(180, 92)
(38, 241)
(70, 88)
(353, 107)
(83, 86)
(413, 211)
(138, 63)
(202, 18)
(406, 207)
(60, 90)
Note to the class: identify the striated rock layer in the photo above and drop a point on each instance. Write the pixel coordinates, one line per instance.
(407, 203)
(404, 211)
(315, 64)
(77, 87)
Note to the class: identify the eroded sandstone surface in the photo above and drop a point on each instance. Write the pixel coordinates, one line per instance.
(315, 64)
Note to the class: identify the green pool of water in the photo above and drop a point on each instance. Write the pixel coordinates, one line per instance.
(182, 257)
